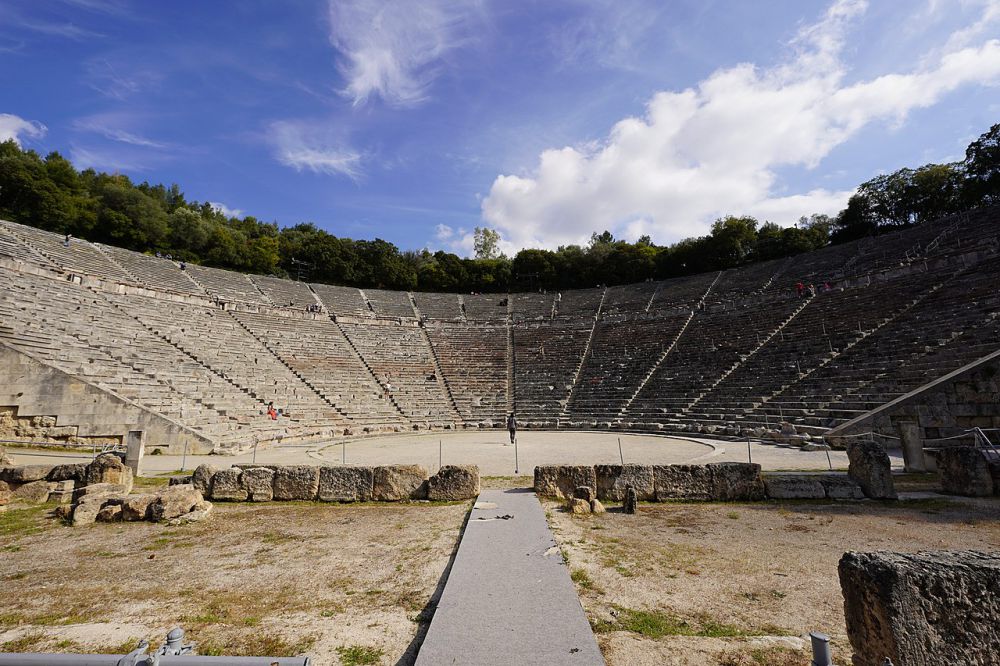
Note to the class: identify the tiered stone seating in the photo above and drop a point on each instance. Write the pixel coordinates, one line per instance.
(532, 307)
(345, 301)
(578, 303)
(400, 357)
(547, 356)
(629, 298)
(390, 303)
(739, 283)
(474, 361)
(226, 285)
(11, 247)
(485, 307)
(285, 293)
(438, 306)
(153, 272)
(621, 355)
(976, 230)
(78, 257)
(317, 351)
(682, 292)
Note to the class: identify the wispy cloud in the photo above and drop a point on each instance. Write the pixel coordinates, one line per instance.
(715, 148)
(55, 29)
(226, 210)
(110, 126)
(16, 127)
(313, 147)
(119, 81)
(109, 159)
(393, 50)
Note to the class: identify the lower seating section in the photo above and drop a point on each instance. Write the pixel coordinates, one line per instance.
(154, 272)
(75, 256)
(226, 285)
(438, 306)
(345, 301)
(317, 351)
(285, 293)
(546, 358)
(474, 361)
(390, 303)
(401, 359)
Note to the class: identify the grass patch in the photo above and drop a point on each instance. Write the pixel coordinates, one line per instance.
(17, 523)
(254, 644)
(762, 656)
(657, 624)
(150, 482)
(358, 655)
(27, 643)
(580, 577)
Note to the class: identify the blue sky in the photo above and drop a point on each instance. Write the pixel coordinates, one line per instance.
(416, 121)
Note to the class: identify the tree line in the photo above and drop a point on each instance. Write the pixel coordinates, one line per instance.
(50, 193)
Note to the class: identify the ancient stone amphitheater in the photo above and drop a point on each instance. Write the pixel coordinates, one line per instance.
(96, 341)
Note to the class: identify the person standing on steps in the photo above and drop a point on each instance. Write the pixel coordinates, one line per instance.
(512, 427)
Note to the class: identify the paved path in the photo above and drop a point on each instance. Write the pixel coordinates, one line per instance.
(509, 598)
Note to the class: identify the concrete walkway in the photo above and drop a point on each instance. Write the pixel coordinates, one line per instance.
(509, 598)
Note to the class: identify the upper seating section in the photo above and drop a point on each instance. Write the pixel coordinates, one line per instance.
(443, 307)
(346, 301)
(226, 285)
(579, 303)
(533, 307)
(285, 293)
(485, 307)
(72, 255)
(154, 272)
(390, 303)
(11, 247)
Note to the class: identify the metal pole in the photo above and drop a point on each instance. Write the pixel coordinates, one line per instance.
(620, 454)
(343, 452)
(820, 649)
(516, 465)
(749, 457)
(254, 458)
(184, 457)
(828, 461)
(440, 453)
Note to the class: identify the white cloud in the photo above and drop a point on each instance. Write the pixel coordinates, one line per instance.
(14, 127)
(714, 149)
(443, 232)
(226, 210)
(313, 148)
(111, 126)
(392, 50)
(84, 157)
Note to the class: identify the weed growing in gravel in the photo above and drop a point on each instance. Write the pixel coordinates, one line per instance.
(358, 655)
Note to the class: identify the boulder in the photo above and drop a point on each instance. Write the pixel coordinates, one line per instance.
(869, 466)
(109, 468)
(109, 513)
(736, 482)
(173, 501)
(200, 511)
(596, 506)
(35, 492)
(345, 484)
(964, 470)
(202, 478)
(399, 482)
(691, 482)
(180, 480)
(793, 486)
(62, 491)
(6, 460)
(579, 506)
(613, 479)
(85, 511)
(24, 473)
(586, 493)
(631, 503)
(454, 483)
(561, 480)
(226, 485)
(296, 482)
(99, 489)
(259, 483)
(136, 507)
(840, 486)
(75, 472)
(922, 608)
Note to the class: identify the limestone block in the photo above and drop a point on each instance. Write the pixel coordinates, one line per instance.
(869, 466)
(5, 493)
(136, 507)
(34, 491)
(613, 479)
(683, 482)
(24, 473)
(202, 478)
(596, 506)
(85, 512)
(61, 491)
(579, 506)
(454, 483)
(922, 608)
(964, 470)
(180, 480)
(75, 472)
(99, 489)
(561, 480)
(226, 485)
(296, 482)
(109, 513)
(173, 501)
(840, 486)
(736, 481)
(259, 483)
(793, 486)
(399, 482)
(345, 484)
(200, 511)
(109, 468)
(631, 503)
(586, 493)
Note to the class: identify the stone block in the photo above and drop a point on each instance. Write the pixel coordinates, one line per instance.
(869, 465)
(562, 480)
(75, 472)
(259, 483)
(202, 478)
(85, 511)
(199, 512)
(226, 485)
(24, 473)
(691, 482)
(922, 608)
(62, 491)
(579, 506)
(33, 491)
(136, 507)
(613, 479)
(180, 480)
(596, 506)
(586, 493)
(296, 482)
(840, 486)
(454, 483)
(736, 482)
(399, 482)
(5, 493)
(174, 501)
(109, 468)
(99, 489)
(631, 503)
(345, 484)
(109, 513)
(793, 486)
(964, 470)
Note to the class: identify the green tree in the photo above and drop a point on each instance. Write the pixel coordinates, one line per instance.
(486, 242)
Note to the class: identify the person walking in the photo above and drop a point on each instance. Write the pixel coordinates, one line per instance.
(512, 427)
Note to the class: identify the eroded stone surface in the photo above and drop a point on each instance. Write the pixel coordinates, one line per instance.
(136, 507)
(964, 470)
(736, 481)
(174, 501)
(613, 479)
(259, 483)
(399, 482)
(692, 482)
(793, 486)
(345, 484)
(562, 480)
(226, 485)
(108, 468)
(870, 467)
(202, 478)
(454, 483)
(296, 482)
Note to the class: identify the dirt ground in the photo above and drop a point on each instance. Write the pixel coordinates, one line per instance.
(347, 584)
(742, 584)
